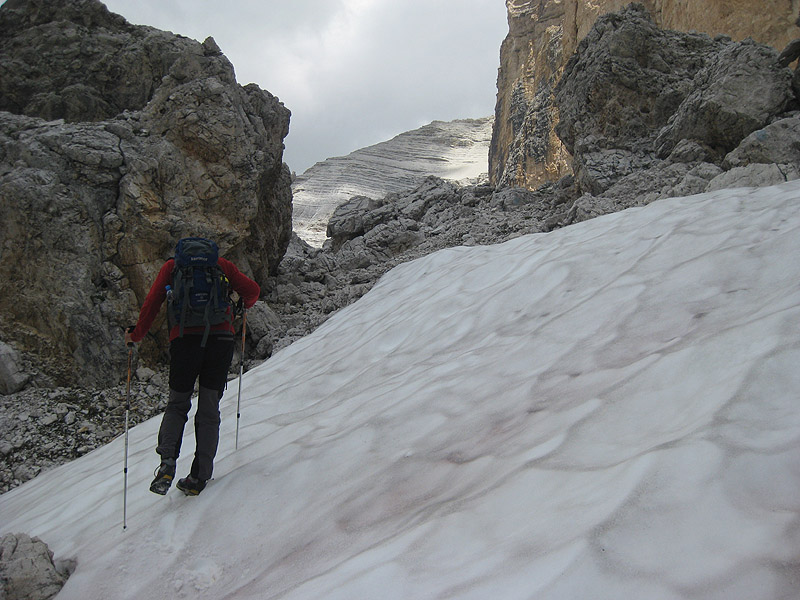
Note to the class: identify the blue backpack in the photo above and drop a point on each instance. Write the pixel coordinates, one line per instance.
(200, 292)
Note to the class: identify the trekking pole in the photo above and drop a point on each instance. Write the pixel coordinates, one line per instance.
(127, 412)
(241, 371)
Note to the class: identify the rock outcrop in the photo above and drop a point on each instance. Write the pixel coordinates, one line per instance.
(649, 113)
(455, 150)
(116, 140)
(543, 35)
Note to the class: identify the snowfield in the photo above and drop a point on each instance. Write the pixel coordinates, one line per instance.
(455, 150)
(606, 411)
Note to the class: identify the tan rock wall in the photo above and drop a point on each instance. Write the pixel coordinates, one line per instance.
(543, 34)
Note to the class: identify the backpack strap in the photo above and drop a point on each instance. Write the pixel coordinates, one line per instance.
(212, 301)
(187, 281)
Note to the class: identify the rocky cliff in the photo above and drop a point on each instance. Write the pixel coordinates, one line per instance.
(544, 34)
(456, 150)
(115, 141)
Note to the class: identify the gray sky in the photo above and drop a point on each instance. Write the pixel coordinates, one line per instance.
(353, 72)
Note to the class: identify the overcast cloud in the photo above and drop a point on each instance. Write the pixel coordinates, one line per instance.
(353, 72)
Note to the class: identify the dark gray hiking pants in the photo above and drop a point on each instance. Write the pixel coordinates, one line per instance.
(188, 363)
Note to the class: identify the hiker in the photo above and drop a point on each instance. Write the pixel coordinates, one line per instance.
(197, 284)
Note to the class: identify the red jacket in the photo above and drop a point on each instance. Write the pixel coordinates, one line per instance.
(244, 286)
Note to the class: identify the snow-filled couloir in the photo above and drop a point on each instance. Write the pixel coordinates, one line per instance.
(606, 411)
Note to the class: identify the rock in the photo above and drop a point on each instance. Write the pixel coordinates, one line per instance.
(42, 428)
(27, 571)
(118, 140)
(775, 143)
(511, 197)
(347, 220)
(629, 102)
(12, 379)
(620, 89)
(597, 171)
(695, 181)
(722, 110)
(261, 320)
(48, 420)
(145, 374)
(264, 349)
(754, 175)
(588, 207)
(626, 80)
(691, 151)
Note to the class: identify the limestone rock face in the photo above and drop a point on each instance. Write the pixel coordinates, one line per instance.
(456, 150)
(116, 141)
(524, 150)
(543, 34)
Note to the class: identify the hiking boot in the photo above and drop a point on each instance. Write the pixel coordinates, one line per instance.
(164, 474)
(191, 486)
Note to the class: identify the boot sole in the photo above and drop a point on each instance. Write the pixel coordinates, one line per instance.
(159, 489)
(188, 491)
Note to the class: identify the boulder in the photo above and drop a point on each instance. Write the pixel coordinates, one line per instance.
(652, 114)
(261, 320)
(735, 94)
(12, 378)
(775, 143)
(347, 220)
(27, 571)
(618, 91)
(754, 175)
(626, 80)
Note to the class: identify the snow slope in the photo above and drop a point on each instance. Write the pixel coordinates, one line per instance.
(606, 411)
(457, 150)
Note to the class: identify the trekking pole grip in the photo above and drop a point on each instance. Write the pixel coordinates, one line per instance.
(130, 329)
